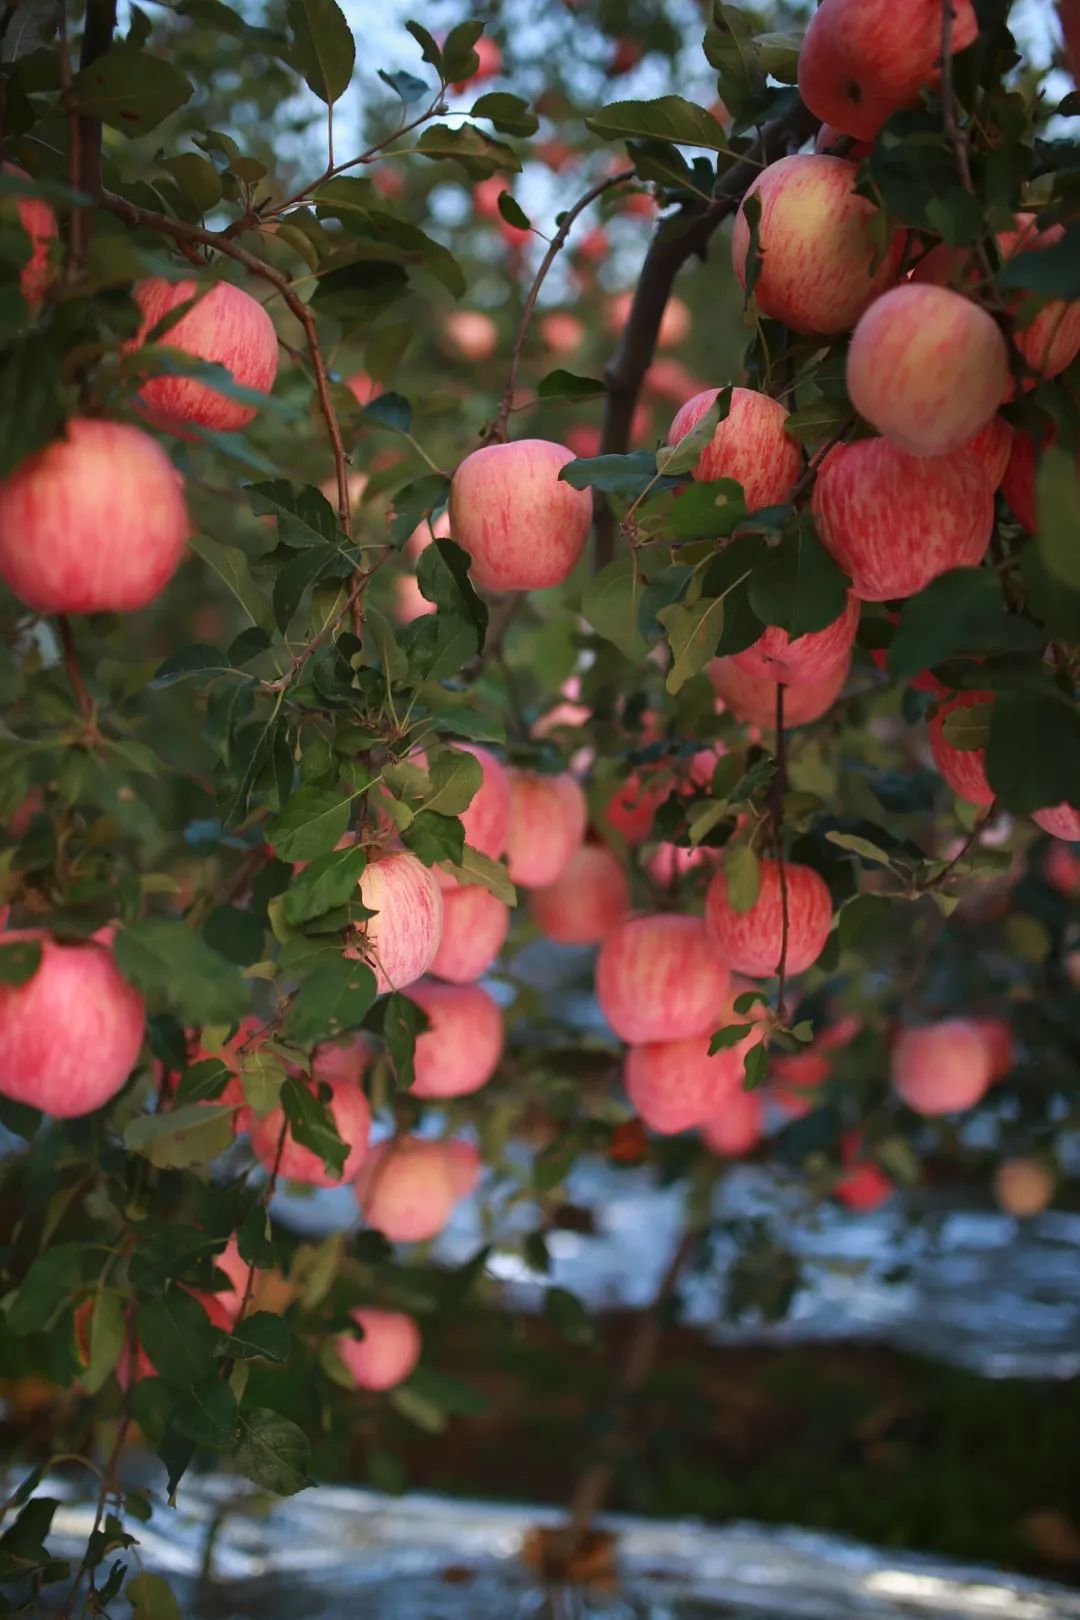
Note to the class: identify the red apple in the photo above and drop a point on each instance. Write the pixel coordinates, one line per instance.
(352, 1116)
(471, 334)
(463, 1166)
(670, 862)
(864, 1187)
(475, 924)
(943, 1067)
(737, 1128)
(591, 898)
(388, 1351)
(809, 658)
(1018, 484)
(487, 819)
(999, 1038)
(1023, 1187)
(226, 326)
(425, 533)
(675, 1085)
(992, 447)
(70, 1035)
(658, 978)
(828, 139)
(363, 388)
(399, 943)
(522, 527)
(96, 523)
(632, 807)
(406, 1189)
(562, 332)
(964, 769)
(408, 601)
(460, 1050)
(752, 698)
(863, 60)
(490, 61)
(752, 940)
(39, 222)
(1051, 340)
(670, 379)
(594, 246)
(749, 445)
(547, 827)
(819, 251)
(894, 521)
(485, 197)
(1062, 821)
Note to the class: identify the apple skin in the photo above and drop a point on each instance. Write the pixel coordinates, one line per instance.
(227, 326)
(1023, 1187)
(749, 445)
(475, 925)
(999, 1038)
(863, 60)
(658, 978)
(408, 601)
(388, 1351)
(38, 220)
(1018, 484)
(71, 1034)
(487, 818)
(676, 1086)
(562, 332)
(992, 448)
(590, 899)
(737, 1128)
(400, 942)
(460, 1050)
(547, 827)
(752, 698)
(406, 1189)
(351, 1115)
(670, 862)
(669, 379)
(827, 140)
(864, 1188)
(893, 521)
(751, 940)
(523, 529)
(927, 367)
(942, 1068)
(817, 245)
(1060, 821)
(1051, 341)
(471, 334)
(94, 523)
(363, 388)
(631, 809)
(964, 769)
(813, 657)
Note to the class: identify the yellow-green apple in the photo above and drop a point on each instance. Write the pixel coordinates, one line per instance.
(387, 1352)
(400, 941)
(226, 326)
(752, 940)
(813, 657)
(863, 60)
(927, 367)
(749, 445)
(475, 924)
(547, 827)
(1023, 1187)
(522, 527)
(590, 898)
(752, 698)
(39, 222)
(352, 1117)
(964, 769)
(943, 1067)
(94, 523)
(406, 1189)
(71, 1033)
(895, 521)
(737, 1128)
(820, 260)
(471, 334)
(460, 1050)
(658, 978)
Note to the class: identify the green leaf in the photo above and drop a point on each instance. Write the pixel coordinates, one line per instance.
(259, 1336)
(312, 1124)
(470, 148)
(610, 605)
(310, 824)
(669, 118)
(332, 1001)
(707, 511)
(509, 114)
(197, 179)
(968, 728)
(755, 1066)
(443, 576)
(692, 633)
(19, 961)
(456, 777)
(568, 1316)
(330, 880)
(743, 872)
(207, 1414)
(797, 585)
(862, 847)
(323, 46)
(51, 1281)
(304, 515)
(435, 838)
(273, 1452)
(32, 405)
(106, 1339)
(194, 1134)
(167, 961)
(178, 1337)
(511, 210)
(627, 475)
(203, 1081)
(261, 1075)
(399, 1023)
(492, 875)
(231, 566)
(1033, 756)
(1052, 272)
(677, 460)
(417, 501)
(131, 90)
(860, 918)
(730, 1035)
(961, 611)
(186, 661)
(151, 1598)
(1059, 515)
(818, 421)
(566, 385)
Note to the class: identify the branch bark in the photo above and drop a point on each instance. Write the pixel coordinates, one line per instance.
(98, 30)
(674, 242)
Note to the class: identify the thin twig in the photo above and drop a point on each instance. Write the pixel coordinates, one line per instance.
(965, 849)
(74, 673)
(779, 789)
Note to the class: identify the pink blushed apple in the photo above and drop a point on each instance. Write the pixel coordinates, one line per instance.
(387, 1352)
(752, 698)
(489, 61)
(675, 322)
(523, 528)
(399, 943)
(352, 1117)
(95, 523)
(475, 925)
(38, 220)
(894, 521)
(226, 326)
(675, 1085)
(942, 1068)
(406, 1190)
(749, 445)
(562, 332)
(70, 1034)
(591, 898)
(820, 262)
(547, 827)
(1061, 821)
(992, 448)
(1023, 1187)
(752, 940)
(631, 809)
(738, 1127)
(487, 819)
(471, 334)
(964, 769)
(1050, 341)
(459, 1052)
(658, 978)
(812, 657)
(408, 601)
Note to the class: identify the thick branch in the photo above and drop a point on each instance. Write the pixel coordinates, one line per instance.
(97, 38)
(673, 243)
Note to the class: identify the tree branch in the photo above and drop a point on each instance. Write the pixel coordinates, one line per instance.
(779, 789)
(674, 242)
(85, 136)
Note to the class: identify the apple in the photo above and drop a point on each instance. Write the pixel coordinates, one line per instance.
(999, 1038)
(964, 769)
(489, 59)
(638, 205)
(407, 600)
(388, 1351)
(400, 941)
(1051, 340)
(675, 1085)
(927, 367)
(670, 862)
(737, 1128)
(809, 658)
(812, 1065)
(864, 1187)
(590, 899)
(352, 1116)
(631, 809)
(669, 379)
(752, 698)
(1018, 484)
(485, 197)
(388, 180)
(749, 445)
(38, 220)
(95, 523)
(547, 827)
(463, 1166)
(562, 332)
(424, 534)
(363, 388)
(70, 1034)
(1061, 821)
(460, 1050)
(830, 139)
(752, 940)
(658, 978)
(594, 246)
(406, 1189)
(522, 527)
(675, 322)
(471, 334)
(992, 448)
(226, 326)
(863, 60)
(893, 521)
(486, 819)
(943, 1067)
(1023, 1187)
(626, 55)
(820, 260)
(475, 925)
